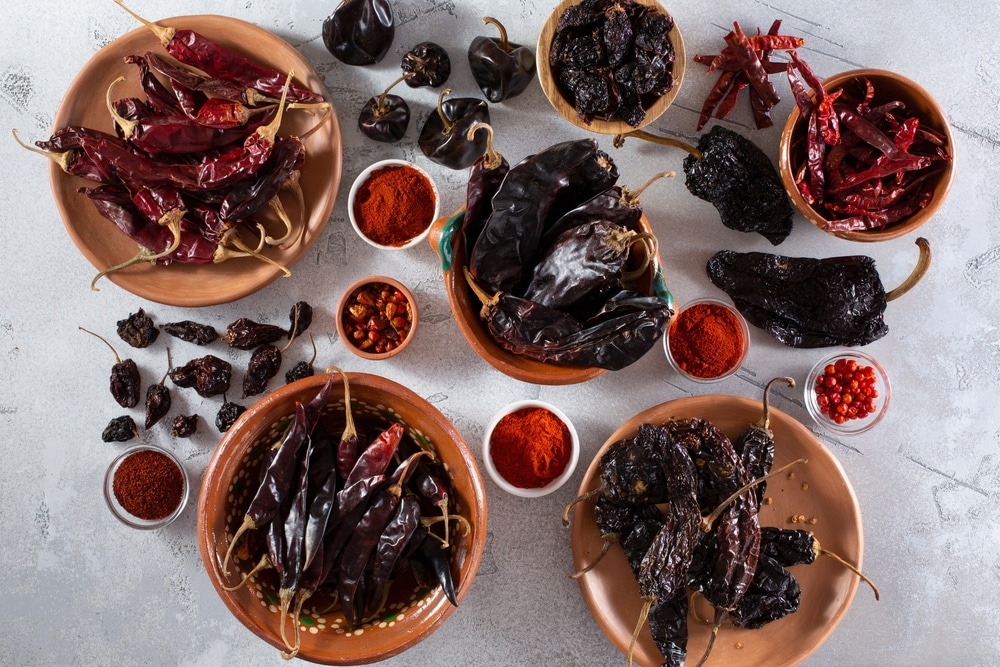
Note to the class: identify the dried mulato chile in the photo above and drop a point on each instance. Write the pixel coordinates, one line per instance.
(360, 32)
(184, 426)
(120, 429)
(209, 375)
(138, 329)
(125, 381)
(192, 332)
(264, 365)
(227, 415)
(245, 334)
(429, 65)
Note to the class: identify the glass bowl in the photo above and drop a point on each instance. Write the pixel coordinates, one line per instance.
(850, 426)
(744, 332)
(363, 178)
(119, 510)
(535, 492)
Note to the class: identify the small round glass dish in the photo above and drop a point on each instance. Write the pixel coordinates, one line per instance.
(146, 487)
(521, 419)
(707, 341)
(387, 185)
(847, 374)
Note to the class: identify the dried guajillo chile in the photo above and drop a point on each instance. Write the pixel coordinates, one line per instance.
(444, 135)
(125, 380)
(501, 68)
(800, 547)
(755, 445)
(385, 117)
(733, 174)
(160, 99)
(807, 302)
(360, 32)
(428, 64)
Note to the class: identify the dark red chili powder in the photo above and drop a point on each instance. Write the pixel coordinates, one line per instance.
(395, 204)
(148, 485)
(530, 447)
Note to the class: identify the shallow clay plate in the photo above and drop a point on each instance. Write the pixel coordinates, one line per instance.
(186, 284)
(612, 595)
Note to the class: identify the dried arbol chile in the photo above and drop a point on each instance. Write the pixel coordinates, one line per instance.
(209, 375)
(120, 429)
(245, 334)
(192, 332)
(138, 329)
(125, 381)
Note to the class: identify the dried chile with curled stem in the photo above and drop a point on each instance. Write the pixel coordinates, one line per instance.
(227, 415)
(299, 319)
(349, 447)
(501, 68)
(302, 369)
(125, 381)
(251, 195)
(184, 426)
(428, 63)
(360, 32)
(444, 135)
(138, 329)
(264, 364)
(485, 177)
(158, 399)
(120, 429)
(192, 332)
(385, 117)
(209, 375)
(800, 547)
(755, 445)
(246, 334)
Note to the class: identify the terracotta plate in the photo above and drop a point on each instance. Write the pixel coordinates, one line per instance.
(613, 597)
(195, 285)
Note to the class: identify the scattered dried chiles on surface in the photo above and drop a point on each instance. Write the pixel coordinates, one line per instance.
(192, 332)
(148, 485)
(209, 375)
(705, 340)
(530, 447)
(299, 318)
(227, 415)
(385, 117)
(184, 426)
(157, 402)
(120, 429)
(360, 32)
(377, 318)
(138, 329)
(395, 204)
(246, 334)
(302, 369)
(125, 382)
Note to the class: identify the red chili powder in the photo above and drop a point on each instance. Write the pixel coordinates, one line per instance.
(394, 204)
(148, 485)
(706, 340)
(530, 447)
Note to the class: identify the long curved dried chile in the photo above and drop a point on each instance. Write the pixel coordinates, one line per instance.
(295, 537)
(537, 191)
(755, 445)
(748, 59)
(485, 177)
(211, 88)
(376, 456)
(322, 496)
(250, 196)
(391, 544)
(158, 96)
(436, 557)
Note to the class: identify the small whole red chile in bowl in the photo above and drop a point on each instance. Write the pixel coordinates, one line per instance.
(392, 204)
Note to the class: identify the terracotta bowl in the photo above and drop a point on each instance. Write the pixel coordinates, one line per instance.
(412, 614)
(888, 86)
(448, 243)
(565, 107)
(342, 317)
(818, 491)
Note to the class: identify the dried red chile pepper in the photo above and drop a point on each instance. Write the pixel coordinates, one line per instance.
(124, 381)
(444, 135)
(360, 32)
(502, 69)
(138, 329)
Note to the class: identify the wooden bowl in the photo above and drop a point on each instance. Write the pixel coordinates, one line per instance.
(888, 86)
(565, 108)
(229, 483)
(450, 246)
(196, 284)
(818, 489)
(414, 315)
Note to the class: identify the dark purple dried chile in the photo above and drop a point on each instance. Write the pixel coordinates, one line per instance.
(184, 426)
(227, 415)
(245, 334)
(502, 69)
(120, 429)
(429, 63)
(209, 375)
(157, 403)
(264, 365)
(444, 136)
(192, 332)
(138, 329)
(300, 317)
(299, 371)
(125, 381)
(360, 32)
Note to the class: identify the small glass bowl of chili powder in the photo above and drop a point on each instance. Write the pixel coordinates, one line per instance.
(392, 204)
(847, 392)
(146, 487)
(530, 448)
(707, 341)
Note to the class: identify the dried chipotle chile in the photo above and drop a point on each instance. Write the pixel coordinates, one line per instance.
(138, 329)
(265, 362)
(302, 369)
(246, 334)
(184, 426)
(120, 429)
(157, 400)
(125, 381)
(192, 332)
(227, 415)
(209, 375)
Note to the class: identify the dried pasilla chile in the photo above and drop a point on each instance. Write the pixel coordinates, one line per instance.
(755, 445)
(265, 362)
(227, 415)
(385, 117)
(120, 429)
(444, 136)
(773, 594)
(246, 334)
(209, 375)
(192, 332)
(184, 426)
(138, 329)
(427, 64)
(125, 381)
(807, 302)
(501, 68)
(538, 189)
(360, 32)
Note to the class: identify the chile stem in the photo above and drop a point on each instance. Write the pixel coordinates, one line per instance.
(380, 107)
(164, 34)
(127, 126)
(656, 139)
(447, 125)
(765, 421)
(63, 159)
(923, 263)
(707, 521)
(504, 44)
(631, 197)
(492, 159)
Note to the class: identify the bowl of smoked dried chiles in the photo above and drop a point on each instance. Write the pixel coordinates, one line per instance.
(884, 153)
(342, 519)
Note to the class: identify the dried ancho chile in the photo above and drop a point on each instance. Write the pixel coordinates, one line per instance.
(360, 32)
(245, 334)
(427, 64)
(501, 68)
(806, 302)
(444, 137)
(184, 426)
(192, 332)
(120, 429)
(385, 117)
(138, 329)
(125, 381)
(209, 375)
(227, 415)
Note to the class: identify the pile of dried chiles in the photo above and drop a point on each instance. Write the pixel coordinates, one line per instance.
(208, 375)
(708, 539)
(341, 515)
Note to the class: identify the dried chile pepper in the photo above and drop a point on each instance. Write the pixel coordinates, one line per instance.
(161, 100)
(391, 543)
(264, 364)
(501, 68)
(375, 458)
(209, 375)
(485, 177)
(435, 558)
(773, 594)
(791, 547)
(302, 369)
(299, 318)
(124, 381)
(806, 302)
(246, 334)
(668, 626)
(184, 426)
(444, 135)
(251, 195)
(538, 189)
(295, 534)
(755, 445)
(360, 32)
(349, 447)
(120, 429)
(428, 64)
(385, 117)
(322, 496)
(192, 332)
(157, 400)
(138, 329)
(227, 415)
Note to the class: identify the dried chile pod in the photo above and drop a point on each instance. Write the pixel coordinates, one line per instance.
(209, 375)
(360, 32)
(245, 334)
(429, 65)
(124, 381)
(157, 403)
(502, 69)
(120, 429)
(485, 177)
(755, 445)
(668, 626)
(536, 191)
(138, 329)
(774, 593)
(610, 205)
(184, 426)
(302, 369)
(299, 318)
(265, 362)
(385, 117)
(806, 302)
(251, 195)
(227, 415)
(192, 332)
(444, 136)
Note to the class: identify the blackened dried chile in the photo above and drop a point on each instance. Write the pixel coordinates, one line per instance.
(245, 334)
(360, 32)
(124, 382)
(299, 318)
(264, 365)
(428, 64)
(120, 429)
(138, 329)
(209, 375)
(444, 135)
(157, 403)
(184, 426)
(501, 68)
(227, 415)
(192, 332)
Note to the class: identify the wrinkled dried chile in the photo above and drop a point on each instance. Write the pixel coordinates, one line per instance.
(157, 403)
(444, 137)
(245, 334)
(120, 429)
(302, 369)
(502, 69)
(385, 117)
(209, 375)
(755, 445)
(138, 329)
(125, 381)
(485, 177)
(360, 32)
(265, 362)
(227, 415)
(192, 332)
(184, 426)
(427, 64)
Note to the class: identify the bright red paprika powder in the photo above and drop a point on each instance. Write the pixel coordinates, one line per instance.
(395, 204)
(530, 447)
